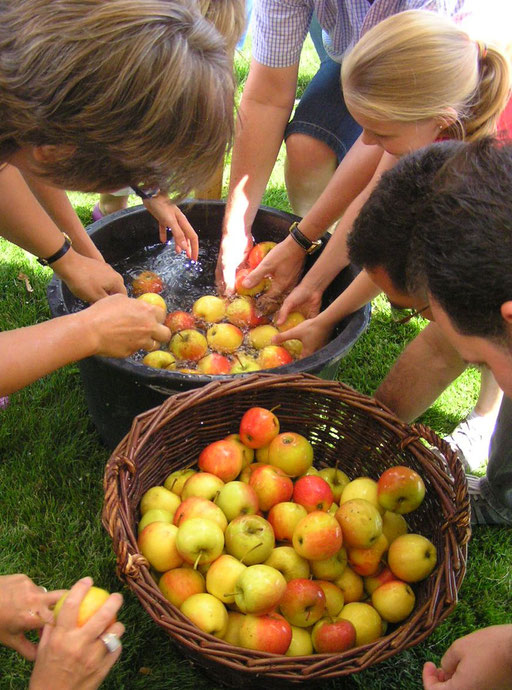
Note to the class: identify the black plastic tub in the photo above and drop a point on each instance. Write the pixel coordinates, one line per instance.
(119, 389)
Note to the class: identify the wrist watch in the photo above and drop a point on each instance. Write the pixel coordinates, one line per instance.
(309, 246)
(59, 253)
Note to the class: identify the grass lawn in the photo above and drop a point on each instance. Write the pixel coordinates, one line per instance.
(51, 470)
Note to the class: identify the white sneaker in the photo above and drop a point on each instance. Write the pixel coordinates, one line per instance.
(472, 438)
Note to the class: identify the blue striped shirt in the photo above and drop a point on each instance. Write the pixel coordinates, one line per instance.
(281, 26)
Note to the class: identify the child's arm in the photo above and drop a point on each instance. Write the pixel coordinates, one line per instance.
(169, 216)
(115, 326)
(24, 222)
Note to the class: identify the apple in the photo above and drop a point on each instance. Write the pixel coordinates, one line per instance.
(303, 602)
(291, 452)
(197, 507)
(248, 453)
(333, 509)
(250, 538)
(242, 312)
(198, 541)
(271, 486)
(258, 253)
(258, 427)
(261, 336)
(330, 636)
(330, 568)
(284, 518)
(207, 612)
(371, 582)
(232, 635)
(223, 458)
(288, 562)
(361, 523)
(412, 557)
(368, 561)
(92, 601)
(155, 515)
(334, 597)
(179, 321)
(293, 319)
(365, 619)
(273, 356)
(311, 472)
(176, 480)
(261, 454)
(224, 337)
(222, 576)
(351, 584)
(301, 644)
(241, 275)
(293, 346)
(245, 474)
(237, 498)
(158, 544)
(313, 493)
(188, 344)
(259, 589)
(243, 364)
(393, 525)
(203, 485)
(317, 536)
(154, 299)
(400, 489)
(337, 480)
(159, 359)
(214, 364)
(394, 601)
(146, 282)
(209, 308)
(159, 497)
(266, 633)
(188, 370)
(180, 583)
(361, 487)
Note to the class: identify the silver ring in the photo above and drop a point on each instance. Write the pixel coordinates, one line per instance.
(111, 641)
(43, 588)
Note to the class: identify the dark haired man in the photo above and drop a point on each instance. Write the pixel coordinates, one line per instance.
(436, 236)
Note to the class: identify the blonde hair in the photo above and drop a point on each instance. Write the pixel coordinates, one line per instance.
(228, 17)
(140, 92)
(417, 65)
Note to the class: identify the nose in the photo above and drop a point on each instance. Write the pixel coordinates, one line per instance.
(368, 138)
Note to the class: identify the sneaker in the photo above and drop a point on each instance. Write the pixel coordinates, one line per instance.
(482, 513)
(471, 438)
(96, 213)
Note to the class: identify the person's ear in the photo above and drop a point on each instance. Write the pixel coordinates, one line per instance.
(49, 153)
(506, 312)
(447, 119)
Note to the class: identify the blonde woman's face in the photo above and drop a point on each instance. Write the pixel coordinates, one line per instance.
(397, 138)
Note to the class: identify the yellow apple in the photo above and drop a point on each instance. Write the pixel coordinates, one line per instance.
(365, 619)
(362, 487)
(176, 480)
(157, 543)
(393, 525)
(93, 600)
(232, 635)
(351, 584)
(301, 644)
(161, 498)
(288, 562)
(154, 515)
(222, 576)
(207, 612)
(202, 484)
(394, 601)
(153, 298)
(159, 359)
(412, 557)
(330, 568)
(360, 521)
(199, 541)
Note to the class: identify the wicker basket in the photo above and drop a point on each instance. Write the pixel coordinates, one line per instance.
(344, 427)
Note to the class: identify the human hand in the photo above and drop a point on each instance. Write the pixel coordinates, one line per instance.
(23, 606)
(302, 298)
(480, 660)
(76, 658)
(233, 251)
(120, 325)
(312, 333)
(283, 264)
(170, 217)
(89, 279)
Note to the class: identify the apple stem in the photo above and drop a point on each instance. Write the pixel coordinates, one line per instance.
(251, 549)
(198, 559)
(276, 407)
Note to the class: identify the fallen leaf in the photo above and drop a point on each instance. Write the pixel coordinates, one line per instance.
(28, 286)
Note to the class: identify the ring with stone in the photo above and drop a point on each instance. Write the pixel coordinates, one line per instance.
(111, 641)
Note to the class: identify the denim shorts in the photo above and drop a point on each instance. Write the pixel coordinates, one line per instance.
(322, 113)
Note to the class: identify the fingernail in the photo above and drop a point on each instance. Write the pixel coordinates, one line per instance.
(86, 580)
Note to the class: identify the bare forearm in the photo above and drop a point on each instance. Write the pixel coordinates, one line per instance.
(360, 291)
(421, 373)
(29, 353)
(58, 207)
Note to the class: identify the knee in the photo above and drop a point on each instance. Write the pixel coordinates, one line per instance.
(306, 155)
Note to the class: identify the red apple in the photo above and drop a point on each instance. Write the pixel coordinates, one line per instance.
(147, 281)
(267, 633)
(188, 344)
(223, 458)
(292, 453)
(368, 561)
(258, 427)
(284, 518)
(271, 485)
(214, 364)
(180, 583)
(179, 321)
(317, 536)
(303, 602)
(258, 253)
(314, 493)
(248, 453)
(400, 489)
(371, 582)
(330, 636)
(273, 356)
(242, 312)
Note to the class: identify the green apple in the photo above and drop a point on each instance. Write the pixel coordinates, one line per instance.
(330, 568)
(232, 635)
(203, 485)
(361, 487)
(155, 515)
(337, 480)
(250, 538)
(334, 597)
(393, 525)
(159, 497)
(301, 644)
(259, 589)
(289, 563)
(237, 498)
(292, 453)
(198, 541)
(176, 480)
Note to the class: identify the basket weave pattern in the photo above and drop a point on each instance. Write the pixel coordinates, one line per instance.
(345, 428)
